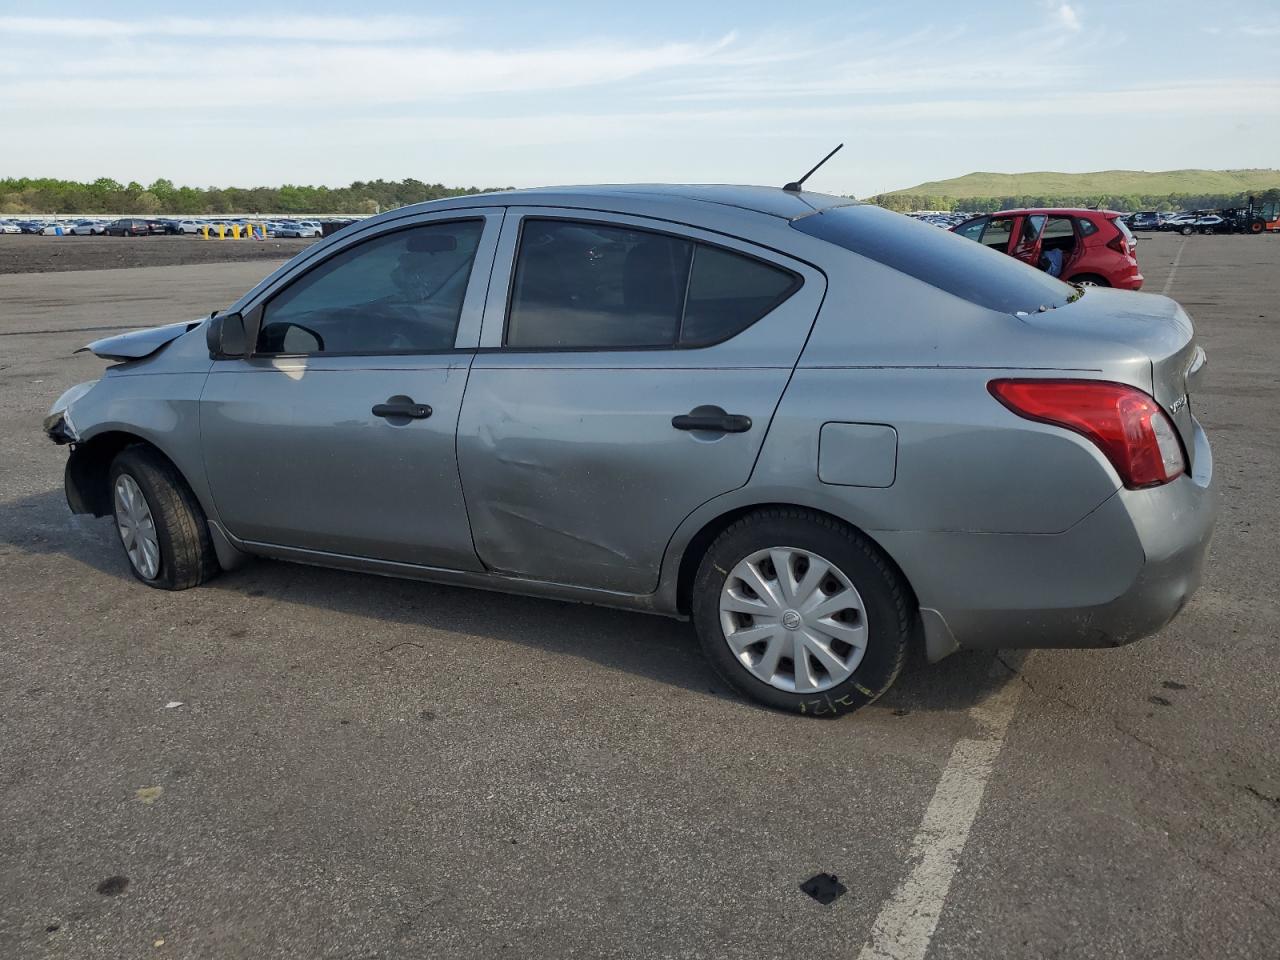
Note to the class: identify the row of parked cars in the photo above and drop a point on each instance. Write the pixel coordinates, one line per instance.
(142, 226)
(1255, 218)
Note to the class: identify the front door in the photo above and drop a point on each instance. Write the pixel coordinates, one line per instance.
(1027, 245)
(337, 434)
(628, 374)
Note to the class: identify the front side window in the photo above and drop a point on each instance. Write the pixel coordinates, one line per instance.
(400, 292)
(580, 285)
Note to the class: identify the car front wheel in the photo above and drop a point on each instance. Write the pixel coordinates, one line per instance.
(801, 612)
(161, 524)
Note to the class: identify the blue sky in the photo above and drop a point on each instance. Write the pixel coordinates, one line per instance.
(534, 93)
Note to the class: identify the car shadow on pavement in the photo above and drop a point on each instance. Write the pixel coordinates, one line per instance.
(658, 648)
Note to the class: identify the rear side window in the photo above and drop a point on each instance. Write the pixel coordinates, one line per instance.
(1059, 228)
(581, 285)
(939, 258)
(728, 292)
(1087, 227)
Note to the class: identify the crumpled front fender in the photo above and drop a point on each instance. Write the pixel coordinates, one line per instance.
(138, 343)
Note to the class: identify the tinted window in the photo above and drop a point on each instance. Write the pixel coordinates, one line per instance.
(728, 292)
(1031, 227)
(589, 285)
(937, 257)
(973, 229)
(401, 292)
(1087, 227)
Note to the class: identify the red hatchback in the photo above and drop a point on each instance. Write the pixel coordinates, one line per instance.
(1090, 247)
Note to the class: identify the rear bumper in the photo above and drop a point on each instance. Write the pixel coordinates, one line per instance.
(1118, 575)
(1129, 281)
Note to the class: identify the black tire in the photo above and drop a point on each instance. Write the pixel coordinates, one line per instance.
(1187, 230)
(187, 557)
(885, 596)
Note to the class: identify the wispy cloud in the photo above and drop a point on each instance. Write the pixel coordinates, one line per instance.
(313, 28)
(1065, 15)
(342, 74)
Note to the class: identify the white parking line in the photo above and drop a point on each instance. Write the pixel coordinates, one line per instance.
(1168, 282)
(906, 923)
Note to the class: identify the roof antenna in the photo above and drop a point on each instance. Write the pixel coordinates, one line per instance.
(795, 186)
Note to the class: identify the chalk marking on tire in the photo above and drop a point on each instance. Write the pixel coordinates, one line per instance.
(906, 923)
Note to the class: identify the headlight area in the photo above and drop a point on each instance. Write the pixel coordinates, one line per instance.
(58, 425)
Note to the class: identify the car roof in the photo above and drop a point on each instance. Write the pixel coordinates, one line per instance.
(1059, 211)
(770, 201)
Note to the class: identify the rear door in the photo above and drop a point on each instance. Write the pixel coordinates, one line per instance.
(628, 373)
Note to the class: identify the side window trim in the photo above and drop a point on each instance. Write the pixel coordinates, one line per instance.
(509, 253)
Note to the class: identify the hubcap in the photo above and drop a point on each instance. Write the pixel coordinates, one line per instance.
(793, 619)
(137, 527)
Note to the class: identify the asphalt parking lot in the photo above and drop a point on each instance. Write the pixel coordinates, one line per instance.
(365, 768)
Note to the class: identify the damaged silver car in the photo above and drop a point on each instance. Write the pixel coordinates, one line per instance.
(819, 430)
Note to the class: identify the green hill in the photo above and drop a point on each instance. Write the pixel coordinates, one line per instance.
(1122, 182)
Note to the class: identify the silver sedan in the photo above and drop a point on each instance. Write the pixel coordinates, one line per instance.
(821, 431)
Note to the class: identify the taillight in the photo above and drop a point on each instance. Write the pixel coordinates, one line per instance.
(1119, 244)
(1126, 424)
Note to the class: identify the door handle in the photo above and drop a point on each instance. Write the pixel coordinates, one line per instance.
(401, 408)
(713, 419)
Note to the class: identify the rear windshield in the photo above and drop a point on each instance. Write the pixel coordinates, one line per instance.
(1123, 228)
(938, 257)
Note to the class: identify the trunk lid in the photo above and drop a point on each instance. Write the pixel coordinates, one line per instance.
(1155, 326)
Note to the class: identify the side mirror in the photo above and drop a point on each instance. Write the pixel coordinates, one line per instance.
(226, 337)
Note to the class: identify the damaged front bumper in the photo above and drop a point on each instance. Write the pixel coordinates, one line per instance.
(58, 425)
(59, 428)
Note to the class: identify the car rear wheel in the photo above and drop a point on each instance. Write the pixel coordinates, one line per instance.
(1089, 280)
(801, 613)
(161, 525)
(1187, 230)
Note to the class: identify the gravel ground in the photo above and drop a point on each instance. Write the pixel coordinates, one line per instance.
(39, 254)
(371, 768)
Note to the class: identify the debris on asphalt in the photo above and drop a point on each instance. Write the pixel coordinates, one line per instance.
(172, 704)
(148, 795)
(113, 885)
(826, 888)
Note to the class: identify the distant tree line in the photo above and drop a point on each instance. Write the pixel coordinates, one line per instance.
(43, 195)
(1176, 201)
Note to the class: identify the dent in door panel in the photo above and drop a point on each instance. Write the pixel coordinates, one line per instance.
(578, 476)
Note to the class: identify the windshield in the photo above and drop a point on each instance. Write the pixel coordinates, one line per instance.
(938, 257)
